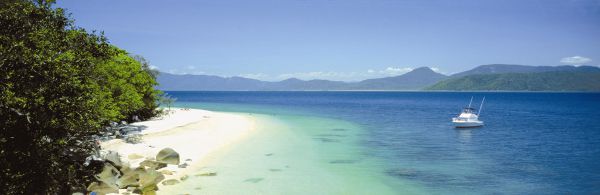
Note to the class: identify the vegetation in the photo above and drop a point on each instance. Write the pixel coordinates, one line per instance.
(60, 84)
(541, 81)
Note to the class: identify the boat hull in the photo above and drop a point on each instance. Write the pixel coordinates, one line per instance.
(467, 124)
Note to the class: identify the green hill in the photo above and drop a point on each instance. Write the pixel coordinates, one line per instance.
(541, 81)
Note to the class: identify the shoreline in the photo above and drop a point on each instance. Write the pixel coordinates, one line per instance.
(194, 133)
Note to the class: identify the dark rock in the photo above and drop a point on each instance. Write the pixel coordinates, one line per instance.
(182, 166)
(408, 173)
(254, 180)
(184, 177)
(330, 135)
(207, 174)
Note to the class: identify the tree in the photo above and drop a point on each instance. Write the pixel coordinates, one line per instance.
(59, 85)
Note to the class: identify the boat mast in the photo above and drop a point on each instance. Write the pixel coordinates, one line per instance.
(480, 106)
(470, 102)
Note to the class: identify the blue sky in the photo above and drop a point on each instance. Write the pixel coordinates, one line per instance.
(345, 39)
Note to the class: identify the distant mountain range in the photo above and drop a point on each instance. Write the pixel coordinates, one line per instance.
(510, 68)
(415, 80)
(505, 77)
(485, 77)
(537, 81)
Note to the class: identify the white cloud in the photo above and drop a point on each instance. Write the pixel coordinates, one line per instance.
(395, 70)
(575, 60)
(332, 75)
(191, 67)
(436, 69)
(341, 76)
(153, 67)
(187, 71)
(259, 76)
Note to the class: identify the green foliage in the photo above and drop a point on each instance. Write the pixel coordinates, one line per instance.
(58, 86)
(542, 81)
(131, 85)
(166, 100)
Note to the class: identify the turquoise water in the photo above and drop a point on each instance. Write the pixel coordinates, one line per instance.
(403, 143)
(293, 154)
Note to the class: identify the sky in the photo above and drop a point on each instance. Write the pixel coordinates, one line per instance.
(347, 40)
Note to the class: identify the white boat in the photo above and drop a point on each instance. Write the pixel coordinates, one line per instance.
(468, 118)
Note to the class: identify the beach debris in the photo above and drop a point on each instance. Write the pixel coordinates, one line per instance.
(269, 154)
(134, 156)
(188, 159)
(207, 174)
(168, 155)
(169, 182)
(197, 188)
(182, 166)
(275, 170)
(184, 177)
(153, 164)
(254, 180)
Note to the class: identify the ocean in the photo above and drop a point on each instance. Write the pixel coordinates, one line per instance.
(404, 143)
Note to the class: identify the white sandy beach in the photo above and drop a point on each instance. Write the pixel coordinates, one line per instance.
(193, 133)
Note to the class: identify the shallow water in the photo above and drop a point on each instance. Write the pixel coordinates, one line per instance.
(292, 155)
(403, 143)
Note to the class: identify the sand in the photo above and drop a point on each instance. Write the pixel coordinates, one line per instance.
(193, 133)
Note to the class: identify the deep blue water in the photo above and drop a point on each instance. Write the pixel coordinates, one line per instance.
(532, 143)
